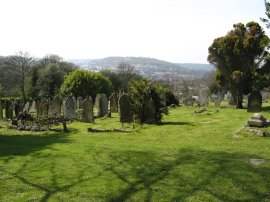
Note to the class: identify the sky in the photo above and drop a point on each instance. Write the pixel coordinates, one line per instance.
(171, 30)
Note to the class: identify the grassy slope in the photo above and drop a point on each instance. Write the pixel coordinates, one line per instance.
(188, 158)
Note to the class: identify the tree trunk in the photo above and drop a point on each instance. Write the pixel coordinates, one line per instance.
(238, 99)
(65, 127)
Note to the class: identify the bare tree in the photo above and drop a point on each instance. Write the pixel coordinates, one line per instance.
(125, 72)
(20, 66)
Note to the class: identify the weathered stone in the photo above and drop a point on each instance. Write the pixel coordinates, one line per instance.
(26, 107)
(97, 103)
(220, 96)
(70, 108)
(149, 111)
(17, 107)
(55, 107)
(217, 103)
(254, 102)
(257, 120)
(79, 103)
(43, 108)
(33, 108)
(87, 110)
(203, 97)
(113, 103)
(9, 109)
(103, 106)
(189, 102)
(125, 109)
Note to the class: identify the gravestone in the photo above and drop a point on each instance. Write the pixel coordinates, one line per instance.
(220, 96)
(70, 108)
(149, 111)
(265, 95)
(18, 107)
(103, 106)
(87, 110)
(33, 108)
(43, 107)
(203, 97)
(26, 107)
(125, 109)
(254, 102)
(79, 107)
(1, 110)
(9, 109)
(217, 103)
(113, 103)
(189, 102)
(79, 103)
(97, 103)
(230, 99)
(55, 107)
(257, 120)
(245, 99)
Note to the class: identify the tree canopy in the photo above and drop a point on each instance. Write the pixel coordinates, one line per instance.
(237, 56)
(84, 83)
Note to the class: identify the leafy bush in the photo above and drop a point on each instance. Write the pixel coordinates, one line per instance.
(84, 83)
(140, 91)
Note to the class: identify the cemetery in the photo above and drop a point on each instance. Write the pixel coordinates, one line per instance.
(106, 155)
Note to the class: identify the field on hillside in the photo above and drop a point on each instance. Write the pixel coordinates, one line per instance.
(190, 157)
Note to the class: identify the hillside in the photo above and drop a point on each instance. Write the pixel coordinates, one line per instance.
(149, 67)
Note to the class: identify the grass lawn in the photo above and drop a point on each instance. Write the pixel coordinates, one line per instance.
(191, 157)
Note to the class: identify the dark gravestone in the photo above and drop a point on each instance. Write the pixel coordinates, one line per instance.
(1, 110)
(113, 103)
(103, 106)
(149, 111)
(9, 109)
(19, 107)
(254, 102)
(87, 110)
(125, 109)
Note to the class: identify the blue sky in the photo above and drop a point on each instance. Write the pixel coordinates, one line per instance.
(172, 30)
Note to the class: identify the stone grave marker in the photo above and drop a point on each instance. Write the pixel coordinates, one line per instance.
(203, 97)
(125, 109)
(217, 103)
(79, 107)
(97, 103)
(55, 107)
(70, 108)
(33, 108)
(9, 109)
(87, 111)
(26, 107)
(254, 102)
(113, 103)
(220, 96)
(189, 102)
(1, 110)
(103, 106)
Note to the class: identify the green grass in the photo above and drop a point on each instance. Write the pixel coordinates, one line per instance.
(190, 157)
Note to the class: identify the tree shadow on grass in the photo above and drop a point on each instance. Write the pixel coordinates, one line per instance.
(216, 174)
(25, 143)
(266, 109)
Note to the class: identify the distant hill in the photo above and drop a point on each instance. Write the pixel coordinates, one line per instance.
(149, 67)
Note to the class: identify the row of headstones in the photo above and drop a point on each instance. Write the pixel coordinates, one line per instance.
(203, 99)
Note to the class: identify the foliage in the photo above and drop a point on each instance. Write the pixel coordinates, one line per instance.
(171, 98)
(141, 90)
(267, 13)
(237, 56)
(84, 83)
(125, 72)
(50, 81)
(114, 78)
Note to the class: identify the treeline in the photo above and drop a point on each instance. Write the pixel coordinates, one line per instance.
(30, 78)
